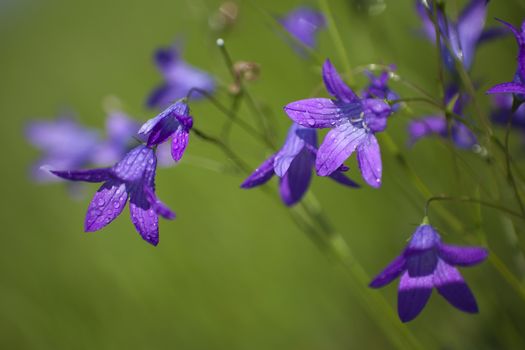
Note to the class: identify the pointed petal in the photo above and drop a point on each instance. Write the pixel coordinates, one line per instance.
(428, 26)
(295, 182)
(335, 85)
(413, 295)
(144, 217)
(162, 130)
(181, 137)
(321, 112)
(337, 146)
(390, 273)
(470, 27)
(159, 207)
(106, 205)
(369, 160)
(341, 178)
(261, 175)
(92, 175)
(453, 288)
(462, 256)
(507, 88)
(292, 147)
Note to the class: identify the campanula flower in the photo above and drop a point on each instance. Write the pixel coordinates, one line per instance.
(179, 78)
(133, 177)
(427, 263)
(176, 122)
(354, 122)
(517, 85)
(463, 35)
(503, 110)
(293, 163)
(64, 142)
(303, 23)
(378, 88)
(437, 124)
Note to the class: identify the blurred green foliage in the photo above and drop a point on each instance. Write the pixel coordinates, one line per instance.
(232, 271)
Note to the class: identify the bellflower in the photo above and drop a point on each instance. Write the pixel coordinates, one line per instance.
(378, 88)
(293, 163)
(503, 111)
(354, 122)
(437, 124)
(427, 263)
(517, 86)
(464, 35)
(303, 23)
(176, 122)
(134, 178)
(64, 142)
(179, 78)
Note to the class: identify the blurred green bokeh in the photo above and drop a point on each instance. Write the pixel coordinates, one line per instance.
(232, 271)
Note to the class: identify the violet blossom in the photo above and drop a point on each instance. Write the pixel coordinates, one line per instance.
(354, 122)
(427, 263)
(503, 111)
(293, 163)
(303, 23)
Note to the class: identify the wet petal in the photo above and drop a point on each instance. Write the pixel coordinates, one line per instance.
(413, 295)
(390, 273)
(92, 175)
(295, 182)
(453, 288)
(321, 112)
(335, 85)
(181, 137)
(106, 205)
(341, 178)
(144, 217)
(462, 256)
(369, 160)
(337, 146)
(159, 207)
(261, 175)
(294, 144)
(507, 88)
(470, 27)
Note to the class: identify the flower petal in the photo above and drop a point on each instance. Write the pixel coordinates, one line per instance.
(335, 85)
(91, 175)
(321, 112)
(507, 88)
(341, 178)
(390, 273)
(159, 207)
(295, 182)
(470, 27)
(462, 256)
(413, 295)
(453, 288)
(181, 137)
(144, 217)
(432, 125)
(261, 175)
(337, 146)
(462, 136)
(295, 142)
(106, 205)
(369, 160)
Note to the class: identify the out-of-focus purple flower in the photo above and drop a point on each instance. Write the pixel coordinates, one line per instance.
(120, 133)
(303, 23)
(133, 177)
(517, 86)
(179, 78)
(378, 88)
(463, 35)
(353, 120)
(503, 111)
(427, 263)
(176, 122)
(437, 124)
(65, 144)
(293, 164)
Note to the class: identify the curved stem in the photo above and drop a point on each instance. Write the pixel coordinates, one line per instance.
(471, 200)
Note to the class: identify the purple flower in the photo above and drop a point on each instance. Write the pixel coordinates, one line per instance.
(517, 86)
(303, 23)
(176, 122)
(353, 120)
(463, 35)
(427, 263)
(437, 125)
(65, 144)
(179, 78)
(503, 110)
(293, 164)
(378, 88)
(133, 177)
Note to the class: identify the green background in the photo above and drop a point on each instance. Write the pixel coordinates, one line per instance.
(232, 271)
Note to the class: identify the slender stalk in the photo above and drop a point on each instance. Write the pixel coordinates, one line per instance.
(471, 200)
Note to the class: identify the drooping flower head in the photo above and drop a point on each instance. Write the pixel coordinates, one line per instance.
(176, 122)
(517, 85)
(293, 163)
(436, 125)
(353, 120)
(303, 23)
(179, 78)
(427, 263)
(65, 145)
(133, 177)
(463, 35)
